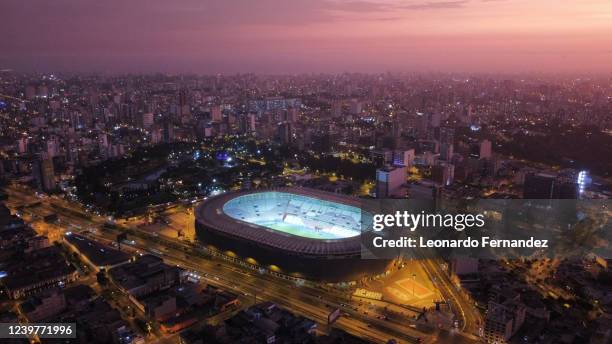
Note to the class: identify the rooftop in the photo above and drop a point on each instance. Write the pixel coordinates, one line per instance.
(213, 214)
(98, 253)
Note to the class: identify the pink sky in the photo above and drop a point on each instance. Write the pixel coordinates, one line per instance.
(286, 36)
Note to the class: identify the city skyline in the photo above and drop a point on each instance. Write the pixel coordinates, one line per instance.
(308, 36)
(181, 206)
(306, 171)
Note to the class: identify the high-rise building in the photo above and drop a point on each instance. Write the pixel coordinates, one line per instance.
(503, 321)
(247, 123)
(252, 123)
(243, 126)
(168, 131)
(389, 181)
(443, 173)
(184, 108)
(285, 133)
(44, 174)
(292, 115)
(396, 129)
(464, 265)
(273, 104)
(147, 120)
(446, 151)
(382, 157)
(156, 134)
(539, 186)
(547, 186)
(486, 149)
(435, 119)
(336, 108)
(428, 158)
(424, 190)
(356, 107)
(43, 91)
(103, 141)
(403, 157)
(52, 147)
(481, 150)
(566, 189)
(22, 145)
(215, 113)
(421, 124)
(48, 174)
(446, 135)
(30, 92)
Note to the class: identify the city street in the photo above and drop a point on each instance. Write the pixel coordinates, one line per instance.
(309, 300)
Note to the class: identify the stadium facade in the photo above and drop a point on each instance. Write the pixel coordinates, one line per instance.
(302, 232)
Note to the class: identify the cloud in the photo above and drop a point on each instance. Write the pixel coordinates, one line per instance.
(355, 6)
(384, 19)
(435, 5)
(280, 35)
(371, 6)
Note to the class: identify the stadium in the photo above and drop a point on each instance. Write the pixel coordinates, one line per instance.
(300, 232)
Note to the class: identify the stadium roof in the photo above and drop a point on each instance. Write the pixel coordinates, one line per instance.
(211, 214)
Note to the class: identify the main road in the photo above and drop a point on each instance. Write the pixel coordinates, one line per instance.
(306, 299)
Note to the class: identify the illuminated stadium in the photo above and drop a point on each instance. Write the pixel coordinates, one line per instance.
(296, 214)
(300, 232)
